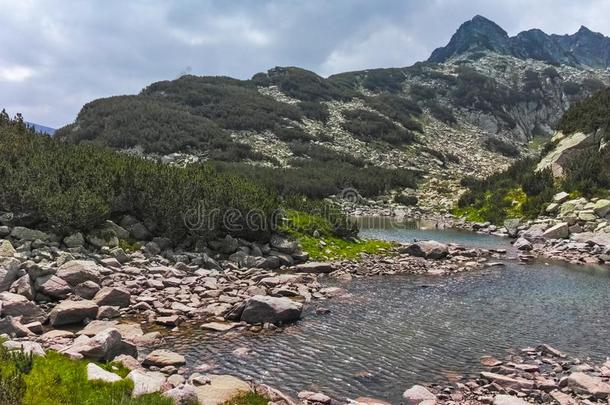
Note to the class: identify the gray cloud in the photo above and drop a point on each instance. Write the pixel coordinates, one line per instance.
(59, 54)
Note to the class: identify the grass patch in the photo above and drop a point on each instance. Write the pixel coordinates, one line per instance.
(248, 398)
(57, 380)
(333, 248)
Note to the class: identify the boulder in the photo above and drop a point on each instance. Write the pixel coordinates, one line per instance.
(429, 249)
(583, 383)
(162, 358)
(512, 226)
(112, 296)
(13, 327)
(228, 245)
(118, 230)
(535, 232)
(87, 289)
(18, 305)
(23, 286)
(68, 312)
(283, 244)
(8, 275)
(75, 272)
(561, 197)
(104, 346)
(418, 394)
(262, 309)
(75, 240)
(28, 235)
(52, 286)
(559, 231)
(96, 373)
(103, 238)
(25, 346)
(602, 208)
(182, 395)
(6, 249)
(523, 244)
(314, 267)
(146, 382)
(107, 312)
(221, 389)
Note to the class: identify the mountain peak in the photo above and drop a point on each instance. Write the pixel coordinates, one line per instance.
(585, 47)
(479, 33)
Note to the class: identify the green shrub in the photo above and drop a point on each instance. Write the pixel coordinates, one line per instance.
(368, 126)
(502, 147)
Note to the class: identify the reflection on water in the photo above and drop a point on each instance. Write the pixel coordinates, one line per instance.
(407, 231)
(400, 330)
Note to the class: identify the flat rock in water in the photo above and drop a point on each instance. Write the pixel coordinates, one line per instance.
(162, 358)
(262, 309)
(221, 389)
(220, 326)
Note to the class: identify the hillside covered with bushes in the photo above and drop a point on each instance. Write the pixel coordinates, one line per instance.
(524, 190)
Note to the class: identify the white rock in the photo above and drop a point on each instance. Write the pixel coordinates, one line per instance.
(95, 372)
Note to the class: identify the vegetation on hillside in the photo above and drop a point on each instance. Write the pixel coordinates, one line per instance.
(520, 191)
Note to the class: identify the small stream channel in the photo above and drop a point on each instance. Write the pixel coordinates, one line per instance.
(396, 331)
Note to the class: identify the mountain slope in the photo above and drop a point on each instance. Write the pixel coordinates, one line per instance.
(474, 112)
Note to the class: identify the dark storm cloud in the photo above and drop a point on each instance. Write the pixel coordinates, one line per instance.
(57, 55)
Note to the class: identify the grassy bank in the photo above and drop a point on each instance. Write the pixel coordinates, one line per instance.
(56, 380)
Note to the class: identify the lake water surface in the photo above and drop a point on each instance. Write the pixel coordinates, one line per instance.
(396, 331)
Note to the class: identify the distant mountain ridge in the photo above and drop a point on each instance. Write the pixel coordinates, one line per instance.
(42, 128)
(585, 47)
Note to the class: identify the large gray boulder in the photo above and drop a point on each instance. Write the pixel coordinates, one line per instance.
(314, 267)
(559, 231)
(602, 208)
(104, 346)
(112, 296)
(75, 272)
(18, 305)
(68, 312)
(428, 249)
(28, 235)
(509, 400)
(52, 286)
(262, 309)
(523, 244)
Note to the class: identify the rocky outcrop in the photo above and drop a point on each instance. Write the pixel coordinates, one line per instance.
(426, 249)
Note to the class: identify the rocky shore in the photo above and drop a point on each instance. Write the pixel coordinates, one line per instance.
(88, 298)
(541, 375)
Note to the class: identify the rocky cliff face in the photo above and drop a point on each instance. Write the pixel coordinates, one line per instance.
(584, 48)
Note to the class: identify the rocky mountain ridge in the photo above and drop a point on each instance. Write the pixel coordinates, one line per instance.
(583, 48)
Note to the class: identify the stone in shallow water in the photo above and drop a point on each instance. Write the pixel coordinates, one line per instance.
(220, 326)
(585, 384)
(162, 358)
(489, 361)
(417, 394)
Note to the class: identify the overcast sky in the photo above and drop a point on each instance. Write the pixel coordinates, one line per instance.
(56, 55)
